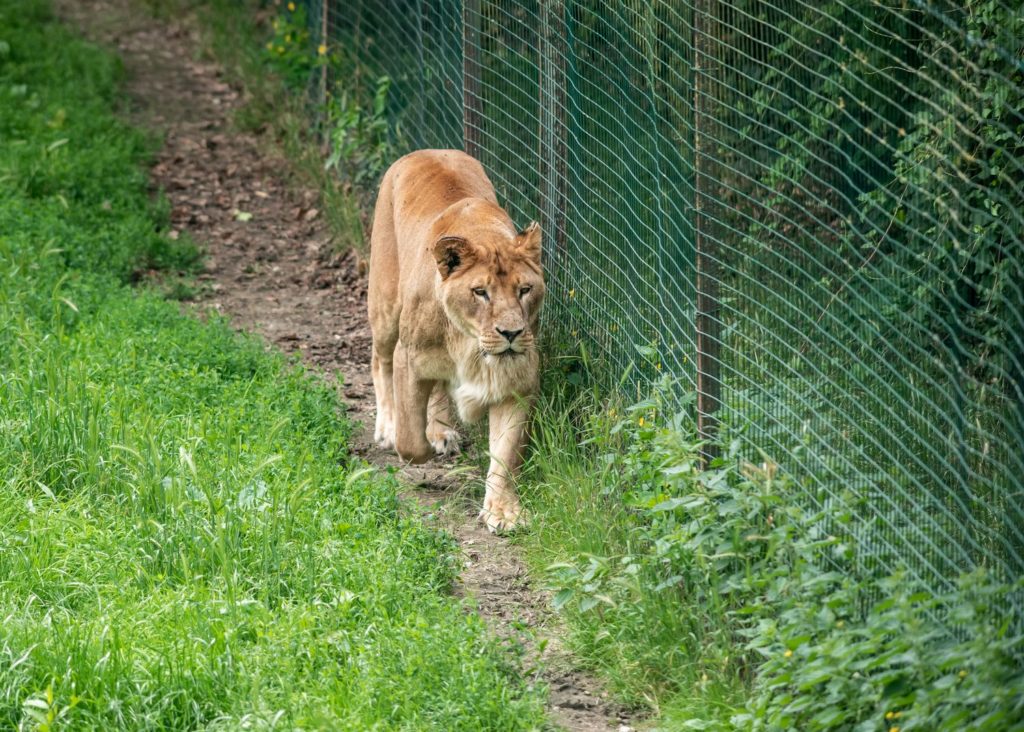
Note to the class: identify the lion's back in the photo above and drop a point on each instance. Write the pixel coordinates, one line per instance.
(413, 193)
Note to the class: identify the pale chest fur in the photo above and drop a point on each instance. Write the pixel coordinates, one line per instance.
(475, 382)
(478, 382)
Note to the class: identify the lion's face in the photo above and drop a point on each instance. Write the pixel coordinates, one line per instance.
(492, 288)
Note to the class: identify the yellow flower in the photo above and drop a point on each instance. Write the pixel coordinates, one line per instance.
(840, 623)
(280, 49)
(890, 715)
(788, 653)
(572, 293)
(894, 728)
(641, 421)
(288, 38)
(291, 6)
(963, 674)
(322, 49)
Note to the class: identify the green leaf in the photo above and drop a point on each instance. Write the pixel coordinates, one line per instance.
(897, 687)
(687, 502)
(562, 597)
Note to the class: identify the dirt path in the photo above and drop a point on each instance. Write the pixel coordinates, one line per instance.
(272, 270)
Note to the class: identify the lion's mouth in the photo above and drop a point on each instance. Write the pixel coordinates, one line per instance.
(507, 353)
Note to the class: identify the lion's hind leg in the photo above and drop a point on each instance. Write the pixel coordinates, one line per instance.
(441, 432)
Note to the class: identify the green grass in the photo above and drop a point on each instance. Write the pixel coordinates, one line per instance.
(658, 650)
(702, 596)
(715, 598)
(183, 541)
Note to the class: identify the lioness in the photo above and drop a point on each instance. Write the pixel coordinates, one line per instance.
(455, 293)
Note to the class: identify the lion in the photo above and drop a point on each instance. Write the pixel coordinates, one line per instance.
(455, 294)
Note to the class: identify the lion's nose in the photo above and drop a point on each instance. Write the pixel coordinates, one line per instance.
(510, 335)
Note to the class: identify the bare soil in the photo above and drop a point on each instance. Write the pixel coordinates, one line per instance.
(273, 269)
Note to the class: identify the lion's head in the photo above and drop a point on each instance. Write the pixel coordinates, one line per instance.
(491, 285)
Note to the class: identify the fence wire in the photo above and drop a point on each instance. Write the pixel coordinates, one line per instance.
(810, 213)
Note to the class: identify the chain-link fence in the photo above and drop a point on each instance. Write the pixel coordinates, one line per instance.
(811, 213)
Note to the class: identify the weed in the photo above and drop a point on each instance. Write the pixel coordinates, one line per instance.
(360, 139)
(717, 597)
(290, 52)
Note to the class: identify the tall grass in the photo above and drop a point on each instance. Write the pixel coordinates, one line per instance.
(586, 485)
(717, 598)
(184, 542)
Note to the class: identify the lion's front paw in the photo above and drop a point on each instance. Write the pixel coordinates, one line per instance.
(444, 441)
(502, 515)
(384, 434)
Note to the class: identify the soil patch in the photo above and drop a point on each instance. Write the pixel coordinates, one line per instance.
(272, 269)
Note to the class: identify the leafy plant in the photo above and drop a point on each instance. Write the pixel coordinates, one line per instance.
(827, 667)
(686, 583)
(290, 51)
(362, 142)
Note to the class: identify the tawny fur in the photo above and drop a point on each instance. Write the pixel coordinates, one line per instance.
(455, 293)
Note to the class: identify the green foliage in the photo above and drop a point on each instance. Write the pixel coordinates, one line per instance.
(717, 596)
(827, 667)
(637, 611)
(331, 88)
(62, 174)
(955, 196)
(361, 138)
(873, 306)
(290, 52)
(184, 542)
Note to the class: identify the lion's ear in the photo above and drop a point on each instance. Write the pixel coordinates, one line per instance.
(529, 240)
(451, 252)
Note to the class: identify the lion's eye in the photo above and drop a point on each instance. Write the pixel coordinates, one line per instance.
(480, 292)
(524, 291)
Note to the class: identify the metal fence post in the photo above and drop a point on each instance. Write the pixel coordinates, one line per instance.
(553, 132)
(708, 324)
(472, 104)
(324, 37)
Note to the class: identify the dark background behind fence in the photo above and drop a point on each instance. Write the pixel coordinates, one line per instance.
(810, 214)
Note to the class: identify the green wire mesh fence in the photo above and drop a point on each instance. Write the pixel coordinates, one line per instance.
(810, 213)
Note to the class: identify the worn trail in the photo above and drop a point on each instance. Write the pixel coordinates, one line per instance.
(272, 269)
